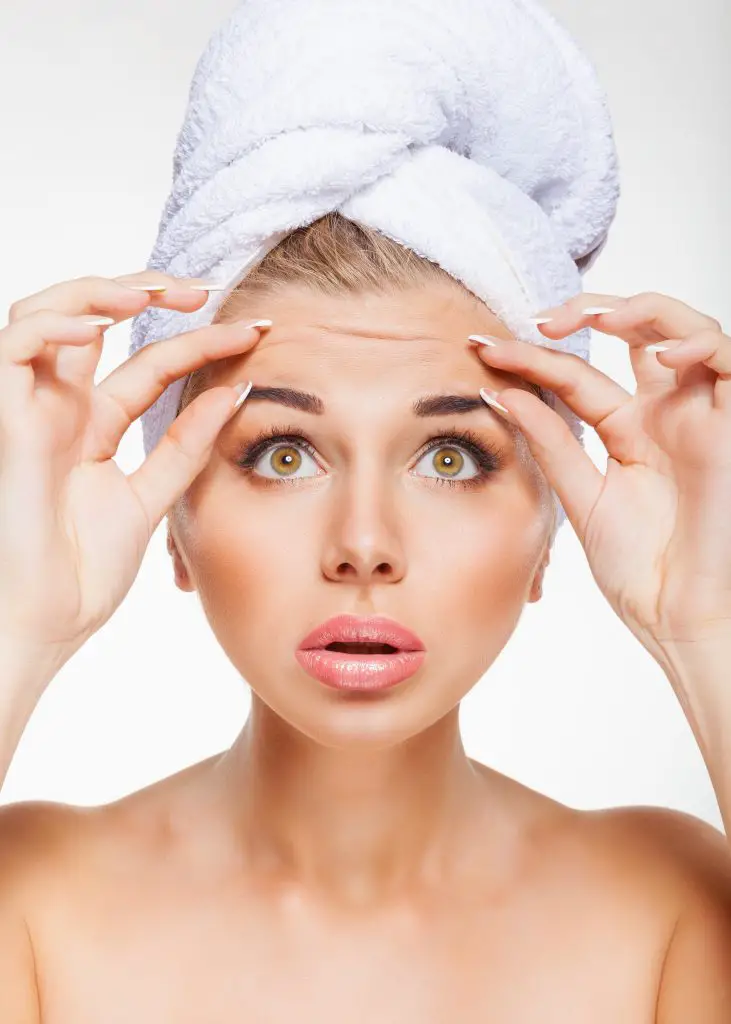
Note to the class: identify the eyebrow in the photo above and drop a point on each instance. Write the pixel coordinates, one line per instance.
(427, 405)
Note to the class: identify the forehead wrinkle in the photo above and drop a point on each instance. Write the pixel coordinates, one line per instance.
(379, 335)
(433, 353)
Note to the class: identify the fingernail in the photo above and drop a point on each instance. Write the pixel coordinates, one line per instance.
(484, 339)
(242, 390)
(207, 286)
(146, 287)
(489, 396)
(657, 347)
(591, 310)
(98, 321)
(538, 320)
(258, 323)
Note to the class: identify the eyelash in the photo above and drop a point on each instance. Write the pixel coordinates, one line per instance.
(489, 459)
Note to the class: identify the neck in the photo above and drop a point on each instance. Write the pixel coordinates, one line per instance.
(356, 826)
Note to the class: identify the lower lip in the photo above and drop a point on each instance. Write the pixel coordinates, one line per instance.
(359, 671)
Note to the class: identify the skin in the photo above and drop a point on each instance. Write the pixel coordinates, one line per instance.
(345, 859)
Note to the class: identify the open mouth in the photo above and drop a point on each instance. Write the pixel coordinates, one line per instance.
(361, 648)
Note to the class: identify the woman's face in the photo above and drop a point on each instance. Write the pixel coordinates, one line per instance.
(362, 511)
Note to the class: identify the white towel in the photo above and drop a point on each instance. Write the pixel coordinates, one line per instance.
(474, 132)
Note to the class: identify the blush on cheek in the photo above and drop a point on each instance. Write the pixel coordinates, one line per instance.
(249, 558)
(498, 561)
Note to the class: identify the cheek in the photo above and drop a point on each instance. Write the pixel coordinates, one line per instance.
(247, 557)
(479, 570)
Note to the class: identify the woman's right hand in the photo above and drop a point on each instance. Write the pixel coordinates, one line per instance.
(73, 527)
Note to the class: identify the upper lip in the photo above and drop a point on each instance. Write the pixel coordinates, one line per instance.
(355, 629)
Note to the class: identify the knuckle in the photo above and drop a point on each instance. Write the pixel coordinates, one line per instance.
(711, 332)
(574, 360)
(88, 280)
(42, 317)
(16, 310)
(178, 448)
(161, 373)
(143, 275)
(648, 302)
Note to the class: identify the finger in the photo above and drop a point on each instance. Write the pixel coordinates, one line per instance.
(567, 467)
(134, 386)
(646, 317)
(118, 298)
(640, 320)
(26, 352)
(703, 358)
(588, 392)
(182, 453)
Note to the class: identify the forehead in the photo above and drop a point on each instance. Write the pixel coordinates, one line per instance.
(401, 341)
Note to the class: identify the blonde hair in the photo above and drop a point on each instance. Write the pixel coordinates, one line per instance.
(333, 256)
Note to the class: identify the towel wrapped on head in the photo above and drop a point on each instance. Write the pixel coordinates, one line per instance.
(475, 133)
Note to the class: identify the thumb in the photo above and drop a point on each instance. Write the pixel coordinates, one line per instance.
(559, 454)
(183, 451)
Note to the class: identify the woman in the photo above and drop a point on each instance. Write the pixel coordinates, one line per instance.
(344, 859)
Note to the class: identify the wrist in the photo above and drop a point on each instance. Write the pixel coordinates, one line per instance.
(25, 672)
(700, 676)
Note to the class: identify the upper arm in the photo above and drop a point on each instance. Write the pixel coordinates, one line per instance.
(18, 990)
(19, 998)
(695, 983)
(696, 976)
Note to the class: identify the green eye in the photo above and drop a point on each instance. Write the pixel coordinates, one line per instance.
(283, 461)
(449, 462)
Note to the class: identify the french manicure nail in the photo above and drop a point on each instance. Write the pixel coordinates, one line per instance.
(657, 347)
(591, 310)
(258, 323)
(146, 287)
(243, 390)
(208, 286)
(483, 339)
(537, 320)
(489, 397)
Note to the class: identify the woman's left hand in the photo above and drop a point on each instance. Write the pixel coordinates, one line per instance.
(657, 527)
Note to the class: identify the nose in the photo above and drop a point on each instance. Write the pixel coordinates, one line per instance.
(364, 544)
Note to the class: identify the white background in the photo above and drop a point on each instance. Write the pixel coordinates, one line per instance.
(93, 94)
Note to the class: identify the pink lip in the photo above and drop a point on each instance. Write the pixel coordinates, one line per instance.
(352, 629)
(360, 671)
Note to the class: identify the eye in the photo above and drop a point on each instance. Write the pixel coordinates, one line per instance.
(284, 460)
(449, 462)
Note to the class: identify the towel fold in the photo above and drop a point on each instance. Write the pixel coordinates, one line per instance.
(475, 133)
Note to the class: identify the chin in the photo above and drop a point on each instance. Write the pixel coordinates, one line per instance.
(360, 719)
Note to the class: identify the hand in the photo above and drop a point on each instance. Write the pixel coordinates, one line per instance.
(73, 527)
(657, 527)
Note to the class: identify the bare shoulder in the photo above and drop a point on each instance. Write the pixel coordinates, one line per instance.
(691, 861)
(29, 837)
(45, 841)
(652, 861)
(691, 855)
